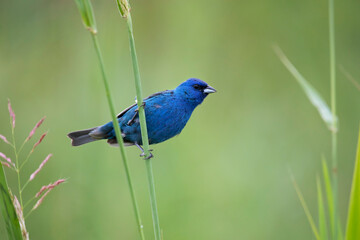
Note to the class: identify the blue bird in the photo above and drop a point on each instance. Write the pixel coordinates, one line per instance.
(166, 114)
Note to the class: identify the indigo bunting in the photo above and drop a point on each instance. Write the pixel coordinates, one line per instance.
(166, 114)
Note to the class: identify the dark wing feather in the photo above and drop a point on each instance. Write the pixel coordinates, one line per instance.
(151, 96)
(125, 110)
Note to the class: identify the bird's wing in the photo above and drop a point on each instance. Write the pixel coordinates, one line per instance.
(147, 98)
(125, 110)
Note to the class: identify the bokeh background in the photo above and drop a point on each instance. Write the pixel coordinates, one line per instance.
(227, 175)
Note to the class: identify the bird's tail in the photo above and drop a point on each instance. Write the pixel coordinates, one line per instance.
(81, 137)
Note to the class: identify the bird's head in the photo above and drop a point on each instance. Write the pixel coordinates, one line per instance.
(194, 90)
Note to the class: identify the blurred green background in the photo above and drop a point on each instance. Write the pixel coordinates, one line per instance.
(227, 175)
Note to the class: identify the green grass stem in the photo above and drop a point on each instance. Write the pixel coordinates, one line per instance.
(124, 9)
(144, 134)
(17, 166)
(118, 135)
(333, 110)
(88, 18)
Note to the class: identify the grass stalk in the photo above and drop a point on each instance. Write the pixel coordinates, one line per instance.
(17, 166)
(321, 212)
(350, 78)
(144, 134)
(118, 134)
(333, 110)
(306, 209)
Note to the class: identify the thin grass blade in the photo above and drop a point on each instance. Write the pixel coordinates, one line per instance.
(312, 94)
(306, 209)
(90, 15)
(330, 202)
(329, 195)
(7, 210)
(81, 6)
(350, 77)
(334, 145)
(353, 221)
(321, 208)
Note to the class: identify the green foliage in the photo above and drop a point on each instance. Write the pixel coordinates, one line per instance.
(7, 209)
(353, 221)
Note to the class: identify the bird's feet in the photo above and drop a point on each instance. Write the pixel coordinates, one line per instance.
(150, 154)
(143, 153)
(143, 105)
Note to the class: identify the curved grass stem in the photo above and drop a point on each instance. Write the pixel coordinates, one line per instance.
(25, 161)
(118, 135)
(29, 201)
(17, 169)
(144, 134)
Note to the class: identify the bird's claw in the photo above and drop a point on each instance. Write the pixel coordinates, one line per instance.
(150, 155)
(143, 153)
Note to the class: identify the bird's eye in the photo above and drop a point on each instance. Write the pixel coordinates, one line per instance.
(197, 87)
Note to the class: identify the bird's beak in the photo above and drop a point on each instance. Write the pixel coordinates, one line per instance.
(209, 89)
